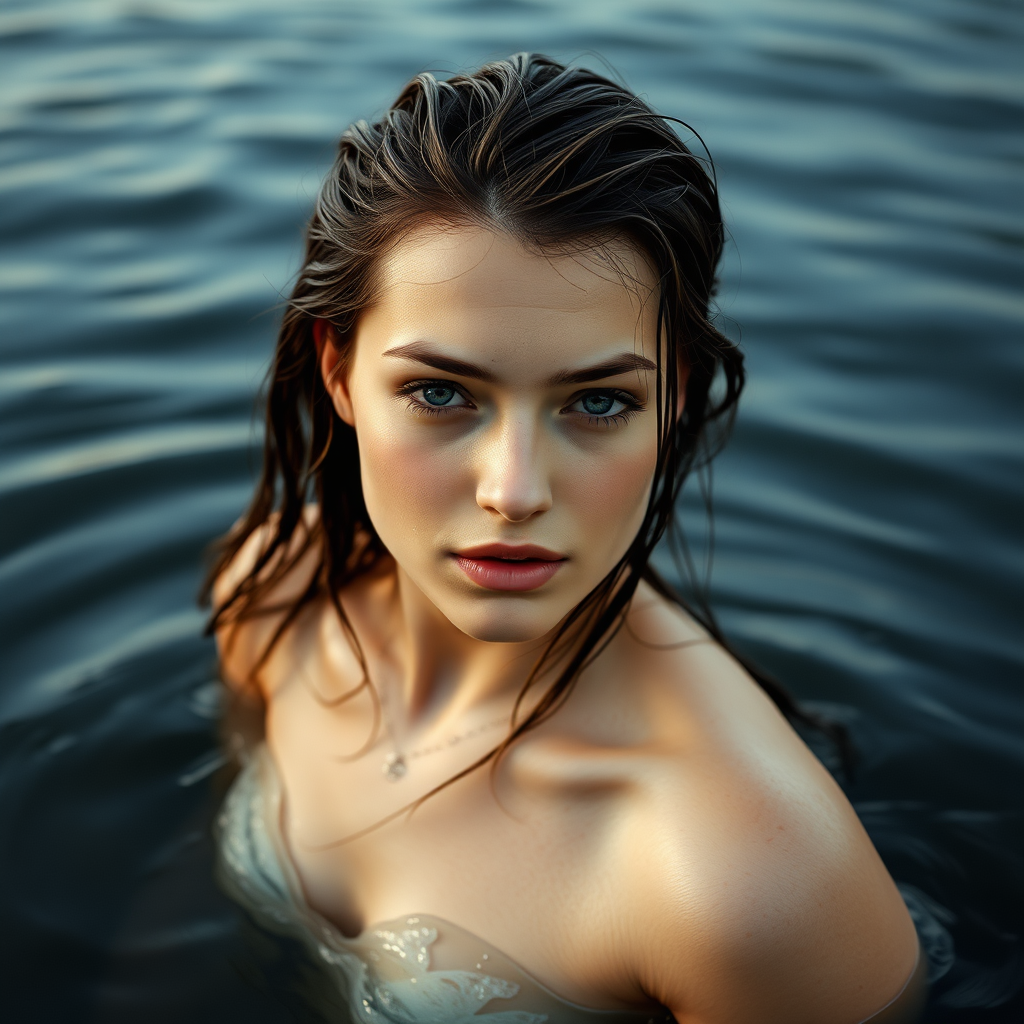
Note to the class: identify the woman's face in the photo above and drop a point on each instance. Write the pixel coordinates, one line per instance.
(503, 403)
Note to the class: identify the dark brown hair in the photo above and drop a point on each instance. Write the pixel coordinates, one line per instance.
(562, 159)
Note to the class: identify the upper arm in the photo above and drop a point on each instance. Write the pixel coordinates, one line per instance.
(761, 897)
(773, 916)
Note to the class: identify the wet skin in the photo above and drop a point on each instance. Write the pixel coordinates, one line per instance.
(665, 837)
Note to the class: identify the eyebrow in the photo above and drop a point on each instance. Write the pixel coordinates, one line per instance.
(615, 366)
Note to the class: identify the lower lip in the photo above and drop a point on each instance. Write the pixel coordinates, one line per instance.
(497, 574)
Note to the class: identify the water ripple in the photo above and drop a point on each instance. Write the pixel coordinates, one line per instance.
(159, 159)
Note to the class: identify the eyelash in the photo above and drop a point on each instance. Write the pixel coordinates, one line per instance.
(408, 390)
(632, 404)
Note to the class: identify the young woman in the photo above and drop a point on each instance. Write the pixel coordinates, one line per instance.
(506, 774)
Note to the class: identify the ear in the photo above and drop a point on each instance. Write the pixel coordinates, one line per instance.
(333, 369)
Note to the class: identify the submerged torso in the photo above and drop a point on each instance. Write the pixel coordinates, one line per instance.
(537, 864)
(559, 861)
(417, 968)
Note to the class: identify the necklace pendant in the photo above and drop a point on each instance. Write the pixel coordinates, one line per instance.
(394, 767)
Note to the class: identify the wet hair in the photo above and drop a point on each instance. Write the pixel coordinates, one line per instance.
(563, 160)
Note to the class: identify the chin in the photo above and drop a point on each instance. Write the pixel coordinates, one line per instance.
(502, 624)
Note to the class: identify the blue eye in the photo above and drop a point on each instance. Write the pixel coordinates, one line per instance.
(598, 405)
(434, 397)
(608, 408)
(438, 395)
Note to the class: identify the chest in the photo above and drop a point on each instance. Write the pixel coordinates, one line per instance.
(534, 874)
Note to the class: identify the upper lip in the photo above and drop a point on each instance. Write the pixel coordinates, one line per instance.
(513, 552)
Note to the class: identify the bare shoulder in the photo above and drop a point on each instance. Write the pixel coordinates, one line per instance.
(239, 643)
(762, 897)
(254, 547)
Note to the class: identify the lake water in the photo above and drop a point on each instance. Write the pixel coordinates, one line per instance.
(158, 161)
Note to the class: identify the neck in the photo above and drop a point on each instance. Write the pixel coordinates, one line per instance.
(428, 671)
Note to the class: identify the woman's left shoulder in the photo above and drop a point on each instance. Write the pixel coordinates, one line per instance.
(762, 897)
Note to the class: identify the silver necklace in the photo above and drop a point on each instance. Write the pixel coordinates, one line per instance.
(396, 764)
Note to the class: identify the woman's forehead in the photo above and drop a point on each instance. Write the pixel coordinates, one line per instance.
(480, 290)
(487, 266)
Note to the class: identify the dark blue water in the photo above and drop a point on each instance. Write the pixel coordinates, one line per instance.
(158, 161)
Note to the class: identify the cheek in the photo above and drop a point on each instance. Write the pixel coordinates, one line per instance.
(407, 484)
(608, 497)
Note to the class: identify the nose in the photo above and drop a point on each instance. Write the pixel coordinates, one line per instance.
(512, 477)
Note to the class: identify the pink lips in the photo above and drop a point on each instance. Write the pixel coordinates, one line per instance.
(509, 566)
